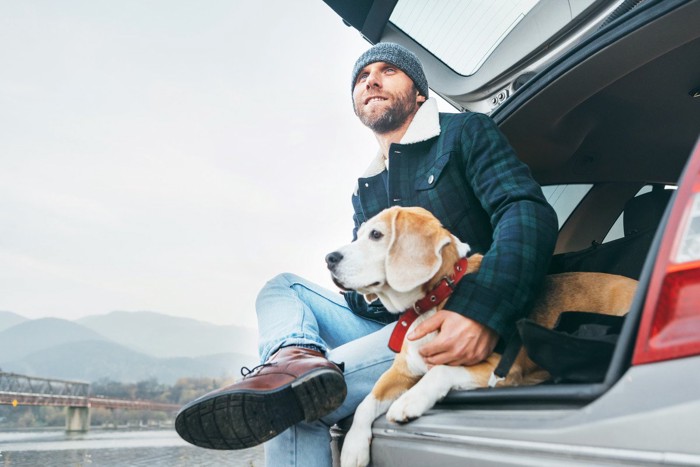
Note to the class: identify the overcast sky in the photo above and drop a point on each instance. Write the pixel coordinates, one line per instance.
(172, 155)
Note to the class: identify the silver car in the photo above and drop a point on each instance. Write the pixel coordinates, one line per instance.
(602, 99)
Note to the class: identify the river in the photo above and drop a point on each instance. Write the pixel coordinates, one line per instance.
(115, 448)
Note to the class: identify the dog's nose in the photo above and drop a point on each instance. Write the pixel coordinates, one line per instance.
(332, 259)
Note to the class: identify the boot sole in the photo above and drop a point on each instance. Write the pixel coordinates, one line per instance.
(243, 419)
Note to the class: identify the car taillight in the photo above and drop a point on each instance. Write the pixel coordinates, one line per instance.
(670, 325)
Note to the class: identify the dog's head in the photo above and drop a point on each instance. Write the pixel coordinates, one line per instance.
(398, 255)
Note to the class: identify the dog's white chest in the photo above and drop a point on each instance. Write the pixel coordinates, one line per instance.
(414, 360)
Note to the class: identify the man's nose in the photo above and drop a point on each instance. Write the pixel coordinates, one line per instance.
(373, 80)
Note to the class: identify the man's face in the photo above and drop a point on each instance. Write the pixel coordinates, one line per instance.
(384, 97)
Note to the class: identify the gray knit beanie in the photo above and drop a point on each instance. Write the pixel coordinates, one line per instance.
(398, 56)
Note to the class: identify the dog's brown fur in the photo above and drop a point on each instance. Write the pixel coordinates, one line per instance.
(573, 291)
(415, 242)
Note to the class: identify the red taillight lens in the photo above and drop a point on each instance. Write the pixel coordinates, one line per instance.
(670, 325)
(675, 329)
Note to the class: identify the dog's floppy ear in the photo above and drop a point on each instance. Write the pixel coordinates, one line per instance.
(414, 250)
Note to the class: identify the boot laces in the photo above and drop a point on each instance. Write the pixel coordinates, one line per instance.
(245, 371)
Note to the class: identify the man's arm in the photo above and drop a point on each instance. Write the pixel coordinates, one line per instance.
(487, 304)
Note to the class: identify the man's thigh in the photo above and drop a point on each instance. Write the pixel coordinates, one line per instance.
(337, 324)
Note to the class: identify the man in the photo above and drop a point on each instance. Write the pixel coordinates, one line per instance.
(459, 167)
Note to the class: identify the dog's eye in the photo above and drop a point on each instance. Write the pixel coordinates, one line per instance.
(375, 235)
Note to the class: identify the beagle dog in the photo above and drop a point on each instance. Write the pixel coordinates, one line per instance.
(402, 256)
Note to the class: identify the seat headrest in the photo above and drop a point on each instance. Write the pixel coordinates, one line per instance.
(644, 212)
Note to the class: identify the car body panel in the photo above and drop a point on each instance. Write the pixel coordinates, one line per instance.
(629, 425)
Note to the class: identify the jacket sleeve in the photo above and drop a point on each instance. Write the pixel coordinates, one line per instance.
(524, 230)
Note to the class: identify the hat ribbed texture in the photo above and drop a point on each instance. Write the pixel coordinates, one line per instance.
(398, 56)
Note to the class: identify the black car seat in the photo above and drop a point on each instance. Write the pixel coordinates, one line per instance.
(643, 212)
(625, 256)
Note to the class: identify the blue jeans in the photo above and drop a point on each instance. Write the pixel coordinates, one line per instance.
(293, 311)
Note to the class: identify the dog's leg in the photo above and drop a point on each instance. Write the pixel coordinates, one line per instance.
(436, 384)
(357, 441)
(394, 382)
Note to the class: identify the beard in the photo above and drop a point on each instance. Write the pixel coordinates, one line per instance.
(403, 106)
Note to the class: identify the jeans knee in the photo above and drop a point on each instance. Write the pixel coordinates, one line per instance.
(287, 279)
(280, 282)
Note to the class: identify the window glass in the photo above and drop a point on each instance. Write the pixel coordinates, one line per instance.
(461, 33)
(565, 198)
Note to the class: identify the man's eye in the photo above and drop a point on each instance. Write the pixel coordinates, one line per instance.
(375, 235)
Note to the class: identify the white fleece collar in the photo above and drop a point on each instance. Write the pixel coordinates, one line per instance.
(425, 125)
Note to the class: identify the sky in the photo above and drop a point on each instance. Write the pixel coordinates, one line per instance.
(172, 156)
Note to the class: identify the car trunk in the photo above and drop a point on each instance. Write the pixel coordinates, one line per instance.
(593, 424)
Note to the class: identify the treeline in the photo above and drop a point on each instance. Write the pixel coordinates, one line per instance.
(183, 391)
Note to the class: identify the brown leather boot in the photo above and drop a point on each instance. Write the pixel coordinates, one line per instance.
(295, 384)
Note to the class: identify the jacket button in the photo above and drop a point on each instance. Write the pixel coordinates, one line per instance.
(431, 179)
(366, 185)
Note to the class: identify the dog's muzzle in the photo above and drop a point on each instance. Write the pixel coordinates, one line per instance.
(332, 260)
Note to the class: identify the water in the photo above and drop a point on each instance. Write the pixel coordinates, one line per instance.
(115, 448)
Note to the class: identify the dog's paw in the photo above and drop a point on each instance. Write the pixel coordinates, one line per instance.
(355, 451)
(408, 407)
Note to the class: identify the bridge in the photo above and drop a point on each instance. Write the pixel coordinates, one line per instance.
(16, 389)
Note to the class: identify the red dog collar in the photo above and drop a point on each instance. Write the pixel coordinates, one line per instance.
(442, 290)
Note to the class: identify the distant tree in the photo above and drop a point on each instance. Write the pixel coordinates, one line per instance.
(184, 389)
(187, 389)
(27, 419)
(150, 389)
(114, 389)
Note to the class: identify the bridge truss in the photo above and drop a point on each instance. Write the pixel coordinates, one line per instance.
(16, 389)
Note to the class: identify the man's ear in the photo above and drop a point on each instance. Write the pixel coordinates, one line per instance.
(421, 98)
(414, 250)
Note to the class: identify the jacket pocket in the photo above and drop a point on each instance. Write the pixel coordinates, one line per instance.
(428, 179)
(442, 189)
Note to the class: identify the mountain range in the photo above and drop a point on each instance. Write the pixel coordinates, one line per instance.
(123, 346)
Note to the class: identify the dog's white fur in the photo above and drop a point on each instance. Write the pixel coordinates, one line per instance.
(399, 256)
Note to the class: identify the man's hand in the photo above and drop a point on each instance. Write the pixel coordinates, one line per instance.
(461, 341)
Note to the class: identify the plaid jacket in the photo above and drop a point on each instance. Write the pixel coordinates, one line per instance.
(462, 169)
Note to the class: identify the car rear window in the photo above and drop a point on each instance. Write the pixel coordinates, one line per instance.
(565, 198)
(617, 230)
(461, 33)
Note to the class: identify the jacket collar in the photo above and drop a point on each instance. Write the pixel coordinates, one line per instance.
(424, 126)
